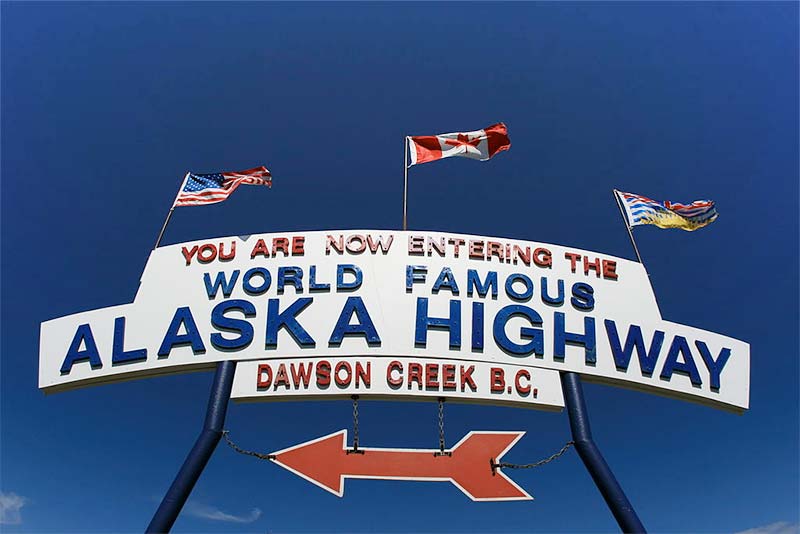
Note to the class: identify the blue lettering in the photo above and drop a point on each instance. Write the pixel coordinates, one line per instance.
(561, 337)
(350, 269)
(83, 336)
(445, 280)
(221, 281)
(519, 277)
(477, 326)
(247, 284)
(622, 357)
(364, 326)
(414, 273)
(474, 282)
(681, 347)
(535, 335)
(290, 276)
(118, 354)
(286, 319)
(714, 367)
(312, 281)
(229, 324)
(582, 296)
(451, 324)
(182, 318)
(547, 299)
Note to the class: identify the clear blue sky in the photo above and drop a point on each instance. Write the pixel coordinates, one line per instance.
(105, 106)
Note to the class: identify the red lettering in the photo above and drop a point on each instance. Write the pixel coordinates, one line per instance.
(356, 244)
(363, 375)
(207, 258)
(416, 245)
(610, 269)
(280, 244)
(449, 376)
(394, 380)
(493, 248)
(323, 374)
(414, 374)
(522, 390)
(431, 376)
(498, 381)
(456, 245)
(230, 255)
(260, 248)
(476, 249)
(298, 245)
(343, 382)
(338, 245)
(543, 257)
(301, 373)
(373, 245)
(438, 246)
(281, 377)
(573, 257)
(522, 255)
(466, 377)
(188, 254)
(262, 382)
(588, 265)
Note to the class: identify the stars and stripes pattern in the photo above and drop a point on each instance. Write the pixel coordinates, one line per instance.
(643, 210)
(201, 189)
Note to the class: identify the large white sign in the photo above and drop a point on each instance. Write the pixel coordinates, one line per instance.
(392, 294)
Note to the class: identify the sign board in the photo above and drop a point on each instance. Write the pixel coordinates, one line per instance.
(384, 294)
(384, 378)
(326, 462)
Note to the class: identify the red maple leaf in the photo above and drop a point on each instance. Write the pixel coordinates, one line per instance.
(465, 141)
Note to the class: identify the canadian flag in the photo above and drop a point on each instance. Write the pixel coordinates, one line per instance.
(480, 144)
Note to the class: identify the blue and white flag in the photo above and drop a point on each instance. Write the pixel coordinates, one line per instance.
(642, 210)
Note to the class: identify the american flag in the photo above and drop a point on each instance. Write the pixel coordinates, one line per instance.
(210, 188)
(642, 210)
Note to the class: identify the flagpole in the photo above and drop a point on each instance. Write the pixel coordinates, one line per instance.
(169, 214)
(628, 226)
(405, 183)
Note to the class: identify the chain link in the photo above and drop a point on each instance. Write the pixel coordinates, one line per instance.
(355, 450)
(238, 449)
(549, 459)
(441, 430)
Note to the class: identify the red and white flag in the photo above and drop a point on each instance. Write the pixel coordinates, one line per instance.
(480, 144)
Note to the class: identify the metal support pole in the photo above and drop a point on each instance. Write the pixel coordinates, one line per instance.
(592, 458)
(405, 185)
(628, 226)
(198, 457)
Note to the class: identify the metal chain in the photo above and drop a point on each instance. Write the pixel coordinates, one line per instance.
(536, 464)
(242, 451)
(441, 430)
(355, 450)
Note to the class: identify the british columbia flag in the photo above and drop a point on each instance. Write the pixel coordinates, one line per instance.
(215, 187)
(642, 210)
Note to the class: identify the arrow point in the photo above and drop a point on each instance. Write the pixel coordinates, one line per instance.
(475, 475)
(317, 461)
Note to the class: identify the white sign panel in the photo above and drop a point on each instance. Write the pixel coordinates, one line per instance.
(393, 294)
(386, 378)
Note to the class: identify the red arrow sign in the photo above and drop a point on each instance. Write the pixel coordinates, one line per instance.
(324, 461)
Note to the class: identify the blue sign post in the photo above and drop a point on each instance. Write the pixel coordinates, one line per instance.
(592, 458)
(198, 457)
